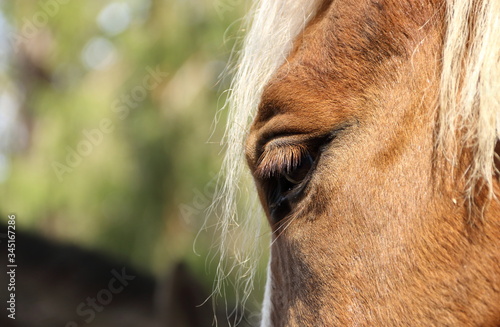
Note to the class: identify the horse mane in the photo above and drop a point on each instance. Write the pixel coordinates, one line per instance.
(271, 27)
(469, 98)
(470, 90)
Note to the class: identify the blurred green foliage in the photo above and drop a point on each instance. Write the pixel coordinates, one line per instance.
(137, 187)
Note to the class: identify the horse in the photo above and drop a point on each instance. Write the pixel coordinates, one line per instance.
(370, 131)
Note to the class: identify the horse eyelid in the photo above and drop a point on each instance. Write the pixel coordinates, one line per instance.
(279, 160)
(282, 155)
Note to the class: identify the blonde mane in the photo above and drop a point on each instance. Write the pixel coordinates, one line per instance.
(469, 98)
(271, 27)
(470, 88)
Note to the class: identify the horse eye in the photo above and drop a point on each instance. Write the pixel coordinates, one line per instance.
(296, 175)
(285, 189)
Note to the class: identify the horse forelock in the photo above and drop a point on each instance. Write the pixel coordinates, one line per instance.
(470, 89)
(469, 101)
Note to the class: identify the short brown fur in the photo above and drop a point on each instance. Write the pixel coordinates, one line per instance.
(381, 235)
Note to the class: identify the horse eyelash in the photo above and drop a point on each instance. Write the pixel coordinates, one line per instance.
(279, 160)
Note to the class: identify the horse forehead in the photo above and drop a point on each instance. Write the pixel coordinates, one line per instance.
(340, 54)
